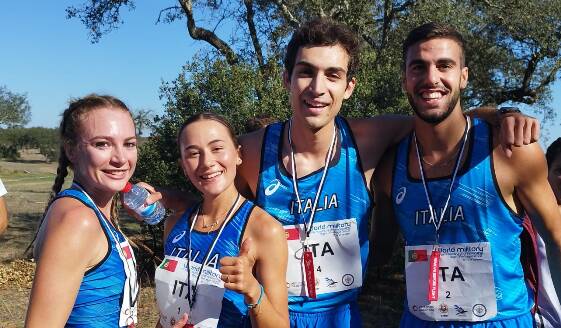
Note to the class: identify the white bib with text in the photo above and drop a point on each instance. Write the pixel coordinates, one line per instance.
(466, 287)
(172, 288)
(336, 254)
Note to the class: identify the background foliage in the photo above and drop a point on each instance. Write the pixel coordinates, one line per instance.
(513, 52)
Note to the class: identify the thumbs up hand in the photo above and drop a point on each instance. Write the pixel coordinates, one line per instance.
(237, 272)
(182, 323)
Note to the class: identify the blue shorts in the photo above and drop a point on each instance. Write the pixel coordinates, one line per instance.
(408, 320)
(344, 316)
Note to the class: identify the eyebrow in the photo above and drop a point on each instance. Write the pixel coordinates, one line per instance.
(210, 143)
(330, 69)
(440, 61)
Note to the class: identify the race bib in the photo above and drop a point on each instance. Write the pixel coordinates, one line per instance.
(464, 289)
(128, 314)
(336, 257)
(172, 289)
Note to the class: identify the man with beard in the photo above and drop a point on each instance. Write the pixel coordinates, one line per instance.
(459, 200)
(313, 173)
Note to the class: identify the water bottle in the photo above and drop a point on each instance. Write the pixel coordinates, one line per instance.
(134, 197)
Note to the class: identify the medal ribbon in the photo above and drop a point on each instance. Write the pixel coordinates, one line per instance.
(435, 256)
(128, 270)
(192, 290)
(307, 255)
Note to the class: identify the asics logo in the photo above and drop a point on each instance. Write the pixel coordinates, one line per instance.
(178, 237)
(400, 195)
(272, 187)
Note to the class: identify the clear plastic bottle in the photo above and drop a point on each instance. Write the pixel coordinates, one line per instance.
(134, 197)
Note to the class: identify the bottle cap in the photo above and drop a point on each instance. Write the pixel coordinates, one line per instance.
(127, 187)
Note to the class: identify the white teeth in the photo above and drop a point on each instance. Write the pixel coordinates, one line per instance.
(315, 105)
(431, 95)
(212, 175)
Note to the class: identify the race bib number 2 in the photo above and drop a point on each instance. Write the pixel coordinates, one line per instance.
(335, 251)
(440, 282)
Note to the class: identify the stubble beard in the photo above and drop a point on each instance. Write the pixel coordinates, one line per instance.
(438, 117)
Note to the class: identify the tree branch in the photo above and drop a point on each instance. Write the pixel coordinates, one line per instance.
(199, 33)
(291, 20)
(253, 33)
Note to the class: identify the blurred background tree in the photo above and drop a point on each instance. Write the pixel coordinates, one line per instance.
(513, 53)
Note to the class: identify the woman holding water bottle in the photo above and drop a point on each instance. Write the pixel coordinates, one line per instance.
(225, 258)
(86, 272)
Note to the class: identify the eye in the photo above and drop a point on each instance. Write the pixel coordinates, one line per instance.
(304, 72)
(217, 148)
(102, 144)
(130, 144)
(192, 153)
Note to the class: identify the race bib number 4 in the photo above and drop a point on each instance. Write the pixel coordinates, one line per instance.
(336, 257)
(172, 289)
(459, 288)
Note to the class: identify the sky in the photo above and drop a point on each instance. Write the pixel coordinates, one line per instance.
(52, 59)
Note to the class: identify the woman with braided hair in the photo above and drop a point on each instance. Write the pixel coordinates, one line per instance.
(86, 272)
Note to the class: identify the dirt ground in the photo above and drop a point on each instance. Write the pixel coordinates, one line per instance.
(28, 183)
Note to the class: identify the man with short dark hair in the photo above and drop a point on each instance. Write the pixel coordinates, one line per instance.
(458, 200)
(313, 174)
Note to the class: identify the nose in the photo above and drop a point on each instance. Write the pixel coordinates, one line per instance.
(317, 84)
(206, 160)
(118, 157)
(433, 75)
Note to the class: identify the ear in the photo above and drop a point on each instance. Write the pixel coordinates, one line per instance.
(239, 160)
(350, 88)
(403, 81)
(286, 80)
(464, 77)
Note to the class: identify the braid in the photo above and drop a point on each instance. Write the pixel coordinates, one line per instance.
(69, 131)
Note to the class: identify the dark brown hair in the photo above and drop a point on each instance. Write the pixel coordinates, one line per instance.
(323, 32)
(553, 151)
(212, 117)
(430, 31)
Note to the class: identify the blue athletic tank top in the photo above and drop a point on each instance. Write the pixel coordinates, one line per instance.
(98, 302)
(234, 310)
(344, 196)
(477, 213)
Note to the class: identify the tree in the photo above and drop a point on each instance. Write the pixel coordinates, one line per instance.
(142, 119)
(513, 52)
(14, 108)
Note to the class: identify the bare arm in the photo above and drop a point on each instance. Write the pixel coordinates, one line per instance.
(528, 170)
(265, 251)
(73, 242)
(3, 215)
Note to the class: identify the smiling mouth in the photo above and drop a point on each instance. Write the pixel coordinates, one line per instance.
(211, 175)
(315, 104)
(118, 173)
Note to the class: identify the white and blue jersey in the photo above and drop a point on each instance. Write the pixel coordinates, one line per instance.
(224, 308)
(477, 214)
(100, 299)
(339, 234)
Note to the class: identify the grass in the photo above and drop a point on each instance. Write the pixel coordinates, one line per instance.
(28, 184)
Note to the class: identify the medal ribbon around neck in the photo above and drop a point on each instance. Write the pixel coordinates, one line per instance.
(132, 300)
(192, 290)
(423, 178)
(307, 227)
